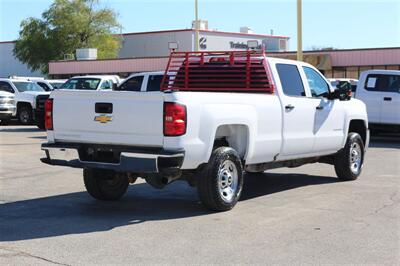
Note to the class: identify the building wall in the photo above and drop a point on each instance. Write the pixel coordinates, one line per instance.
(9, 65)
(154, 45)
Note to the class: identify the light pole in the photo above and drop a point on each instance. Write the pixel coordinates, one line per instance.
(196, 24)
(299, 32)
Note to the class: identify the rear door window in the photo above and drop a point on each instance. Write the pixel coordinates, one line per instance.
(383, 83)
(154, 82)
(292, 84)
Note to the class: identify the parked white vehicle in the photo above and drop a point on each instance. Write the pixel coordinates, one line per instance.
(380, 91)
(46, 84)
(51, 84)
(25, 94)
(219, 114)
(7, 107)
(92, 82)
(145, 81)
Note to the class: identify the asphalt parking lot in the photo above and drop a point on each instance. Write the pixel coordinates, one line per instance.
(286, 216)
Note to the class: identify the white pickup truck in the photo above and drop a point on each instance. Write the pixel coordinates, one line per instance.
(218, 115)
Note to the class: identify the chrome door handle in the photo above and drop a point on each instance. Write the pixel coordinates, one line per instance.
(289, 107)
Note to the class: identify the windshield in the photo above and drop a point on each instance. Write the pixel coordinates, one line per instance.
(81, 84)
(27, 86)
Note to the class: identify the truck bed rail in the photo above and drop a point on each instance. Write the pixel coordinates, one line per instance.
(231, 71)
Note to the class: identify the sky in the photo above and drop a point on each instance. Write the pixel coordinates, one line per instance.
(326, 23)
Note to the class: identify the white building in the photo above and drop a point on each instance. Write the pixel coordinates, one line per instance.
(155, 43)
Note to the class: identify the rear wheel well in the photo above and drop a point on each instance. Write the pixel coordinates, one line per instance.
(358, 126)
(23, 104)
(234, 136)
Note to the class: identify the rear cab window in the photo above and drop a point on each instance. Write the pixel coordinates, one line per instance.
(292, 84)
(382, 83)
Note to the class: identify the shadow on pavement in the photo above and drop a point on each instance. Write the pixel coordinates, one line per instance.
(385, 141)
(77, 213)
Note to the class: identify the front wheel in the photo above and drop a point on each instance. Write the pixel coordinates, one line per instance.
(25, 115)
(220, 182)
(349, 161)
(105, 185)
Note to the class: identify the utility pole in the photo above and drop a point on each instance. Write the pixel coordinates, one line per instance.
(299, 32)
(196, 24)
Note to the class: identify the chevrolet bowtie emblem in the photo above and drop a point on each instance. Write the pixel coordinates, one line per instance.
(103, 118)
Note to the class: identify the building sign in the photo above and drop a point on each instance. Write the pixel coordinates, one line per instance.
(203, 43)
(241, 45)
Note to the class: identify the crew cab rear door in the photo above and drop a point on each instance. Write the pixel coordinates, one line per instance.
(298, 113)
(108, 117)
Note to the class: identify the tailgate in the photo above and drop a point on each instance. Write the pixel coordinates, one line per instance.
(136, 118)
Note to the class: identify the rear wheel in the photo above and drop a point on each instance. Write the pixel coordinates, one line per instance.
(105, 185)
(220, 182)
(25, 116)
(349, 161)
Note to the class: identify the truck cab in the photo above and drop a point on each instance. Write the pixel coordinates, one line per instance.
(380, 91)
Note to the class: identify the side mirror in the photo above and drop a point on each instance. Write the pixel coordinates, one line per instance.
(343, 91)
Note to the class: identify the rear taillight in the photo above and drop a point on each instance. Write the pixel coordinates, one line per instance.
(48, 114)
(174, 119)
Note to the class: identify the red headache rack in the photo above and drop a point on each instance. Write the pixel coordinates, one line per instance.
(232, 71)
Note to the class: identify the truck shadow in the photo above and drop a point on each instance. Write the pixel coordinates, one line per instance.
(391, 141)
(78, 213)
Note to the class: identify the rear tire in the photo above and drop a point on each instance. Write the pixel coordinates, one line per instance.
(105, 185)
(220, 182)
(25, 115)
(349, 161)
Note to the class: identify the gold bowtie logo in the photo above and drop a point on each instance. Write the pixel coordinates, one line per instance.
(103, 119)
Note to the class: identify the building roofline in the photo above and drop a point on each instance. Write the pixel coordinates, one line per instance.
(338, 50)
(108, 59)
(206, 31)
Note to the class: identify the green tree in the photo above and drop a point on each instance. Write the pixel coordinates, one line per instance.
(66, 26)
